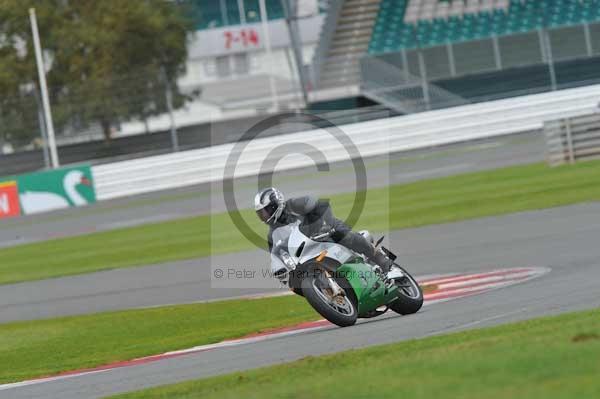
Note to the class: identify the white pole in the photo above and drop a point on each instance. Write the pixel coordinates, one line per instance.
(44, 89)
(265, 29)
(173, 127)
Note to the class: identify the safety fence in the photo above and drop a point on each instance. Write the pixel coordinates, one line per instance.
(373, 138)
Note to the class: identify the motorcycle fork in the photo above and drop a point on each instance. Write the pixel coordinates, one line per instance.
(333, 285)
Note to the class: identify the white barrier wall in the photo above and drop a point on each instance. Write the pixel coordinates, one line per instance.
(372, 138)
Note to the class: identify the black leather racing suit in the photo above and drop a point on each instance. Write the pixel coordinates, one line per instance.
(316, 217)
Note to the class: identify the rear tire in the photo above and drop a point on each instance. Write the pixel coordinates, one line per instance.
(405, 303)
(316, 299)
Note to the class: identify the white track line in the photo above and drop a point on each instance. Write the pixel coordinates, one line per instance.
(473, 276)
(493, 279)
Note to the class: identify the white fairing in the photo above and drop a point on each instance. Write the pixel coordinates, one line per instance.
(290, 238)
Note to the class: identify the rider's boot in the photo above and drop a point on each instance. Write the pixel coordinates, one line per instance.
(381, 260)
(360, 244)
(386, 265)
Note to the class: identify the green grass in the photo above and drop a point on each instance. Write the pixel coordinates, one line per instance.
(550, 358)
(44, 347)
(426, 202)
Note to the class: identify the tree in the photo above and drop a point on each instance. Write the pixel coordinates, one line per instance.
(108, 61)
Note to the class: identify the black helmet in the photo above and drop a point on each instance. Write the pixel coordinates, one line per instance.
(269, 204)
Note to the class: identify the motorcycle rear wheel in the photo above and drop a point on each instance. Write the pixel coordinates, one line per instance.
(341, 310)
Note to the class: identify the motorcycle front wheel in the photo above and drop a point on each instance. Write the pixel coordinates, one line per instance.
(341, 310)
(410, 295)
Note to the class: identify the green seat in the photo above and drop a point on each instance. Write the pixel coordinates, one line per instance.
(522, 16)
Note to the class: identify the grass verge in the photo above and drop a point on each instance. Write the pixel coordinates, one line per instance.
(426, 202)
(551, 358)
(44, 347)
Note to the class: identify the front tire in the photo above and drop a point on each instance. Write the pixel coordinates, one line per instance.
(340, 310)
(410, 295)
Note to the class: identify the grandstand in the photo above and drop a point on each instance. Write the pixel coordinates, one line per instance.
(441, 41)
(460, 50)
(404, 24)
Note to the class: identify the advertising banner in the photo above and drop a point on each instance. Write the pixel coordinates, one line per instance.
(56, 189)
(9, 199)
(249, 37)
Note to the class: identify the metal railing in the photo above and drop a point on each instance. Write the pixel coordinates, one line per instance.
(572, 139)
(401, 91)
(548, 59)
(96, 151)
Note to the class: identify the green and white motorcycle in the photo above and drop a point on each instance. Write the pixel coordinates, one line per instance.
(338, 283)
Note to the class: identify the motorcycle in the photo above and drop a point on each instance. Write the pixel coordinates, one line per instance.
(338, 283)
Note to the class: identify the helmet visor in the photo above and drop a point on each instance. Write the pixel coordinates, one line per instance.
(266, 213)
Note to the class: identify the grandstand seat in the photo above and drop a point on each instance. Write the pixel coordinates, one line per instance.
(428, 23)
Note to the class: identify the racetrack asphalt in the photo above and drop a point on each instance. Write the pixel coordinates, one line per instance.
(426, 250)
(187, 281)
(562, 239)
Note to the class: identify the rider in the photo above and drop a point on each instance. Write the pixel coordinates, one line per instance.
(316, 216)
